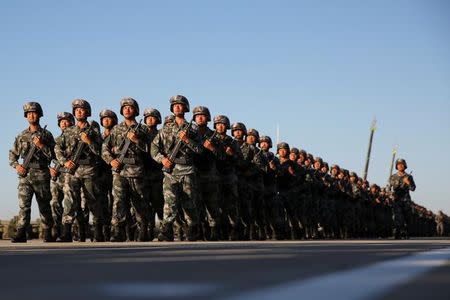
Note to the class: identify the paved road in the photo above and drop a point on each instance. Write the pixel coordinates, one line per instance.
(379, 269)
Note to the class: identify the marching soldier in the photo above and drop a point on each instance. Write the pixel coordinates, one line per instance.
(35, 145)
(174, 146)
(65, 120)
(401, 183)
(78, 150)
(125, 150)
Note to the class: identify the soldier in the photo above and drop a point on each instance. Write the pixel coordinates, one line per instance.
(125, 149)
(78, 150)
(207, 174)
(294, 154)
(259, 165)
(286, 181)
(179, 183)
(440, 220)
(65, 120)
(154, 175)
(228, 180)
(401, 183)
(108, 119)
(35, 145)
(274, 208)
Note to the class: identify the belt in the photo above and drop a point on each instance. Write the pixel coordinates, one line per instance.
(129, 161)
(84, 162)
(182, 161)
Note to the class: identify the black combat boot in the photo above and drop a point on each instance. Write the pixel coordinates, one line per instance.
(119, 234)
(193, 233)
(107, 232)
(48, 236)
(66, 236)
(143, 233)
(20, 236)
(214, 234)
(166, 233)
(180, 233)
(98, 233)
(82, 232)
(234, 233)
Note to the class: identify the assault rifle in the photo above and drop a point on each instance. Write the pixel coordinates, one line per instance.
(177, 148)
(126, 145)
(32, 151)
(78, 151)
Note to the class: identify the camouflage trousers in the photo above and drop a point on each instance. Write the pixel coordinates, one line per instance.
(229, 198)
(274, 212)
(156, 198)
(74, 189)
(180, 196)
(56, 187)
(105, 195)
(128, 190)
(41, 189)
(291, 204)
(208, 201)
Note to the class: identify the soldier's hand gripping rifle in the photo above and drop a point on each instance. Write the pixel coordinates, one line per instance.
(31, 152)
(57, 167)
(78, 151)
(126, 145)
(171, 157)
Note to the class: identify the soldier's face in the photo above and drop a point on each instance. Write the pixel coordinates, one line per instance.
(178, 109)
(341, 176)
(292, 156)
(324, 169)
(238, 134)
(251, 140)
(264, 146)
(307, 162)
(401, 167)
(32, 117)
(63, 124)
(334, 172)
(352, 179)
(221, 128)
(282, 152)
(80, 113)
(201, 120)
(128, 111)
(151, 121)
(300, 159)
(107, 122)
(373, 190)
(317, 165)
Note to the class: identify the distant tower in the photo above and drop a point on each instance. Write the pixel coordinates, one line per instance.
(372, 131)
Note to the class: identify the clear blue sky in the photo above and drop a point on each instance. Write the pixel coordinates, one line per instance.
(320, 69)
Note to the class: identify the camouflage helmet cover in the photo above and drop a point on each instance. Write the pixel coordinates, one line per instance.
(65, 116)
(81, 103)
(239, 126)
(267, 139)
(253, 132)
(283, 145)
(400, 161)
(128, 101)
(152, 112)
(202, 110)
(221, 119)
(107, 113)
(32, 106)
(179, 99)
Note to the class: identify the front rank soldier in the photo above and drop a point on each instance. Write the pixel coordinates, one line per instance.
(125, 149)
(78, 150)
(35, 145)
(179, 183)
(401, 183)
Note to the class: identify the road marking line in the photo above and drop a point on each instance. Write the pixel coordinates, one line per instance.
(156, 290)
(361, 283)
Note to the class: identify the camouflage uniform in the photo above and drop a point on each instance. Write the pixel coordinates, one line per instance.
(37, 179)
(129, 181)
(208, 177)
(82, 183)
(402, 201)
(179, 184)
(228, 183)
(154, 175)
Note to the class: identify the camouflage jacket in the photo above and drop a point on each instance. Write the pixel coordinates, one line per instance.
(153, 169)
(400, 189)
(270, 176)
(68, 143)
(285, 180)
(165, 141)
(136, 156)
(227, 166)
(38, 168)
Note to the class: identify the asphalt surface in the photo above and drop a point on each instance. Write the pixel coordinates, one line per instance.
(376, 269)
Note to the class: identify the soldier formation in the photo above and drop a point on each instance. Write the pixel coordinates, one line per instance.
(201, 182)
